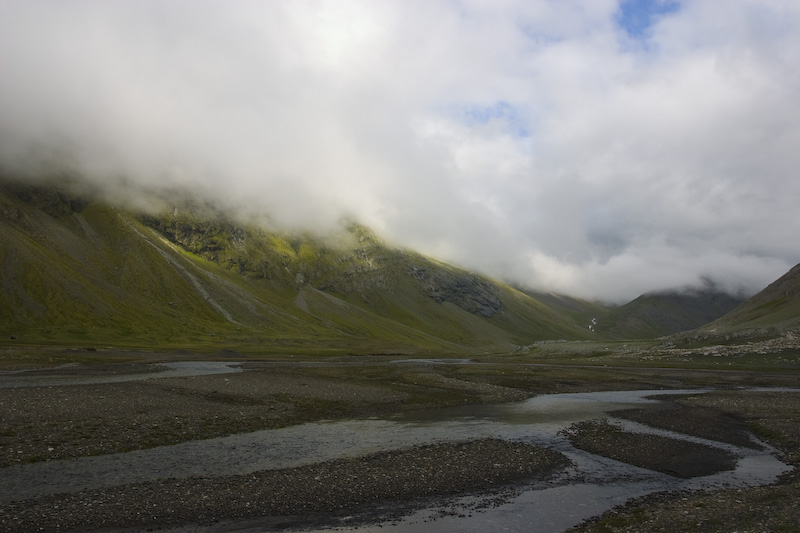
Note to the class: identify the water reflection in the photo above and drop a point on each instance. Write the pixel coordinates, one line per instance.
(176, 369)
(593, 485)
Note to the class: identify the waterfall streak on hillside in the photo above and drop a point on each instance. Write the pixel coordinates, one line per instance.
(191, 278)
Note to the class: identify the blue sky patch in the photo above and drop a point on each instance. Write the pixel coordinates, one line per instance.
(502, 110)
(637, 16)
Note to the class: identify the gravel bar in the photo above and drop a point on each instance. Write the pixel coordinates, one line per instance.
(333, 488)
(663, 454)
(775, 417)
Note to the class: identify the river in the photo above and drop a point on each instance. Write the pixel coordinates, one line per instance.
(592, 485)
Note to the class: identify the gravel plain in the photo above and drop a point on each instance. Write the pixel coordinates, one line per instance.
(334, 488)
(61, 422)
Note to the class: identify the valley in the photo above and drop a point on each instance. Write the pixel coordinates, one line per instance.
(400, 267)
(176, 368)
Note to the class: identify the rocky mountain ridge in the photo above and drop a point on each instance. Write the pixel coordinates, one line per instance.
(77, 269)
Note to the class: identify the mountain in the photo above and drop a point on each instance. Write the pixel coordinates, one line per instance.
(79, 270)
(777, 307)
(581, 311)
(665, 313)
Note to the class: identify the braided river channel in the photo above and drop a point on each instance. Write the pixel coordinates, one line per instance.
(592, 485)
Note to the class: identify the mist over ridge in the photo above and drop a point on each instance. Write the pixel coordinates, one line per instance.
(559, 147)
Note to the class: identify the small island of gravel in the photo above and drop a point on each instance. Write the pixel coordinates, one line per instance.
(333, 488)
(663, 454)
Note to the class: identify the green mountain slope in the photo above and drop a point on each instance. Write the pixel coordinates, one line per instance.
(358, 269)
(776, 307)
(76, 270)
(583, 312)
(97, 275)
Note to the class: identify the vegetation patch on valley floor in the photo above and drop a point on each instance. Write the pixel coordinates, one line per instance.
(332, 488)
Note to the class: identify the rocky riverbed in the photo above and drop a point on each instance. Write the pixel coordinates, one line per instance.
(663, 454)
(332, 488)
(772, 416)
(62, 422)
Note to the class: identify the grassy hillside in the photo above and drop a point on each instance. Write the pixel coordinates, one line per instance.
(96, 275)
(776, 307)
(76, 270)
(343, 276)
(583, 312)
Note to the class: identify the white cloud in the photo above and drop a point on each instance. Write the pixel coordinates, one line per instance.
(534, 140)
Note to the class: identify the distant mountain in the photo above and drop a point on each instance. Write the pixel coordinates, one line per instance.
(78, 270)
(665, 313)
(651, 315)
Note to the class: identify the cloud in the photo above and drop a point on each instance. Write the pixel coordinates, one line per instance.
(592, 147)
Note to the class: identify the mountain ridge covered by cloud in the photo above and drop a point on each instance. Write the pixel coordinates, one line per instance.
(560, 145)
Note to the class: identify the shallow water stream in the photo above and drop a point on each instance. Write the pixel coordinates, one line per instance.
(592, 486)
(59, 376)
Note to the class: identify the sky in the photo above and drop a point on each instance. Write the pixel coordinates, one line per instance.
(596, 148)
